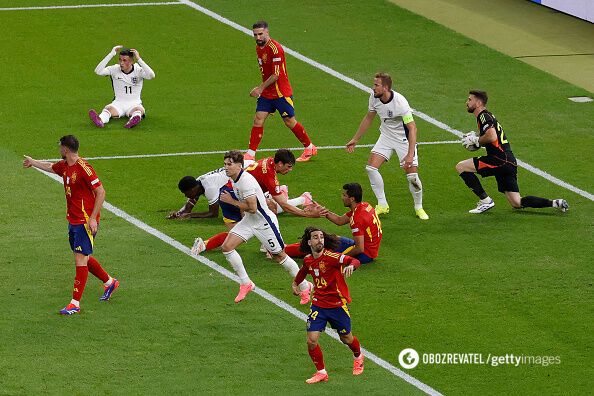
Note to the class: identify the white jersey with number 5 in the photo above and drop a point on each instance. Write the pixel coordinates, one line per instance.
(393, 115)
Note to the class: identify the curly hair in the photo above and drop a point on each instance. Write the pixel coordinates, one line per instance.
(331, 241)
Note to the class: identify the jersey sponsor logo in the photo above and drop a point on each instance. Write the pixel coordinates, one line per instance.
(284, 114)
(78, 249)
(316, 272)
(260, 61)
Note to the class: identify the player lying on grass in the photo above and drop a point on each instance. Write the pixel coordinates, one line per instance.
(366, 227)
(126, 80)
(330, 297)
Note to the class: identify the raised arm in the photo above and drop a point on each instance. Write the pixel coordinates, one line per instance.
(101, 68)
(147, 72)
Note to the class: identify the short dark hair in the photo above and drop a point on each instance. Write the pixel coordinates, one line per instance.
(354, 190)
(127, 52)
(260, 25)
(234, 155)
(481, 95)
(285, 156)
(386, 79)
(70, 142)
(331, 241)
(187, 183)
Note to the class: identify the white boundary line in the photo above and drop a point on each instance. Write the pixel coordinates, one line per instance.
(261, 292)
(88, 6)
(188, 153)
(362, 87)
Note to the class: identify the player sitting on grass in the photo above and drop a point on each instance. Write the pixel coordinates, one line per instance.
(126, 80)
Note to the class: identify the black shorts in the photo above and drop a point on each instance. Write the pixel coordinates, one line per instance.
(506, 173)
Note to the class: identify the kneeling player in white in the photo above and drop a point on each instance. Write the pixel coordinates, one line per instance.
(398, 133)
(126, 79)
(258, 221)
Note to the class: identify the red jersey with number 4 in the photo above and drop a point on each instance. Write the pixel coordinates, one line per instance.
(80, 182)
(265, 174)
(364, 222)
(271, 59)
(330, 288)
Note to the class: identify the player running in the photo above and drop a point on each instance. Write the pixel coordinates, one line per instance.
(330, 298)
(499, 162)
(127, 80)
(274, 93)
(84, 193)
(258, 221)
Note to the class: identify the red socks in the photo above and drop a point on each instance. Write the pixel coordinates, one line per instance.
(300, 134)
(97, 270)
(317, 357)
(256, 137)
(355, 347)
(216, 240)
(294, 251)
(80, 281)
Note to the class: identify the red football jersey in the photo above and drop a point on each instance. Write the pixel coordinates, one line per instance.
(271, 59)
(365, 222)
(264, 172)
(330, 288)
(80, 181)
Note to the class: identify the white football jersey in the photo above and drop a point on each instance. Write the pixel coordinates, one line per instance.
(247, 186)
(212, 183)
(391, 114)
(127, 87)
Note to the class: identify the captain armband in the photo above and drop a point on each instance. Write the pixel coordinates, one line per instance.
(407, 118)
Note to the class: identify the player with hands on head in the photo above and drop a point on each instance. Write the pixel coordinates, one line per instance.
(127, 81)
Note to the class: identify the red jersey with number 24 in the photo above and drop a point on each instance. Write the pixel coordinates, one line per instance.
(271, 59)
(80, 182)
(330, 288)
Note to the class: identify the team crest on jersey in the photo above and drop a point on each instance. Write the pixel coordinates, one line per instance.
(390, 113)
(316, 272)
(322, 267)
(73, 177)
(134, 80)
(264, 58)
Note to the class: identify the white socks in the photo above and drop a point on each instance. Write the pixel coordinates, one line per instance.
(235, 260)
(292, 268)
(377, 184)
(105, 116)
(416, 189)
(136, 113)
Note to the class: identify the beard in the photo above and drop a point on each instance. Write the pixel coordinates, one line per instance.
(260, 43)
(468, 109)
(377, 95)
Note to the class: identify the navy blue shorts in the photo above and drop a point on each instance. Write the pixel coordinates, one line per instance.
(346, 244)
(231, 213)
(81, 239)
(339, 319)
(284, 106)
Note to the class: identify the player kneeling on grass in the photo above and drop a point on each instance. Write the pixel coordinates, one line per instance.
(499, 162)
(328, 270)
(126, 79)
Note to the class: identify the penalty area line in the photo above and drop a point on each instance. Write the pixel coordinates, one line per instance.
(189, 153)
(368, 90)
(89, 6)
(259, 291)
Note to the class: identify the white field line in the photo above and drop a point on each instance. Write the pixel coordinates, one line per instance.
(224, 151)
(261, 292)
(364, 88)
(87, 6)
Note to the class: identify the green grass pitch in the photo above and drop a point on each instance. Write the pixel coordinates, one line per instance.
(506, 282)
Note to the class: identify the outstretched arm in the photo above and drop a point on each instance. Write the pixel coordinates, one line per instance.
(29, 162)
(101, 68)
